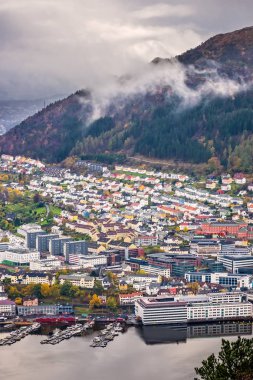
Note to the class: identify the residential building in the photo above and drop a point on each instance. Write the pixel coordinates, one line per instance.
(42, 241)
(56, 246)
(30, 301)
(81, 280)
(74, 248)
(30, 233)
(129, 299)
(36, 278)
(146, 240)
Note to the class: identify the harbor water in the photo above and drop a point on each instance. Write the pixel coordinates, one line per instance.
(139, 353)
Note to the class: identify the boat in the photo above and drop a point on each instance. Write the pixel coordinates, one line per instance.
(56, 319)
(118, 329)
(96, 339)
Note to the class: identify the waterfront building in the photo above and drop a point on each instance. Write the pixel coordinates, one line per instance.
(7, 307)
(183, 309)
(232, 297)
(210, 311)
(153, 311)
(44, 310)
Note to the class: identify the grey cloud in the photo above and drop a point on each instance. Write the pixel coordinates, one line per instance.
(59, 46)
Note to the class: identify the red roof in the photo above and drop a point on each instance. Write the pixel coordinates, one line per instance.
(132, 295)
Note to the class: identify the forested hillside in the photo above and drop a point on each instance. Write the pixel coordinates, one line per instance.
(159, 123)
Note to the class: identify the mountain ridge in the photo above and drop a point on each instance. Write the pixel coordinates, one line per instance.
(153, 123)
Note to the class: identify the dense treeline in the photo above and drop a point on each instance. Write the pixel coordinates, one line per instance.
(51, 133)
(219, 127)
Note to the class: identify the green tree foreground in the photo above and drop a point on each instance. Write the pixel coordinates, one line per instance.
(234, 362)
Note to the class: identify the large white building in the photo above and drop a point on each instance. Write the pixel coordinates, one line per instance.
(19, 257)
(50, 263)
(178, 310)
(90, 261)
(155, 311)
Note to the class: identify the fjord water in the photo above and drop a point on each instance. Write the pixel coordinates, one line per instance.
(137, 354)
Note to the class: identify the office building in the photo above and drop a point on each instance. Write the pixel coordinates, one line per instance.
(234, 263)
(224, 279)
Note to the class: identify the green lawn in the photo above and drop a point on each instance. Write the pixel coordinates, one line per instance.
(55, 210)
(130, 173)
(41, 211)
(82, 310)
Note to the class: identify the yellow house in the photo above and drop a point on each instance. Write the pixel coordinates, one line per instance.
(123, 286)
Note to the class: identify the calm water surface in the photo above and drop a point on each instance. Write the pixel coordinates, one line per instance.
(127, 357)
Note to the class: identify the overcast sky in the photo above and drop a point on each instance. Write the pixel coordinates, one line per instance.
(51, 47)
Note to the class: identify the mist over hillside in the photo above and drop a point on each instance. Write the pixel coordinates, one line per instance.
(196, 107)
